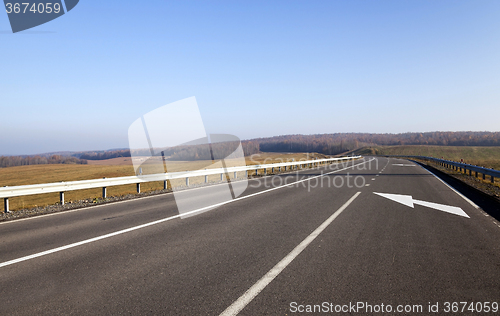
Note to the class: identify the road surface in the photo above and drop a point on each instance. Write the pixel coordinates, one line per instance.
(329, 241)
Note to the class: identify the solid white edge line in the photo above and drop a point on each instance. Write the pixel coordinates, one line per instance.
(43, 253)
(465, 198)
(253, 291)
(454, 190)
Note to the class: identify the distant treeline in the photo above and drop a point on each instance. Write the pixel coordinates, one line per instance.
(218, 151)
(12, 161)
(195, 152)
(341, 142)
(329, 144)
(102, 155)
(325, 144)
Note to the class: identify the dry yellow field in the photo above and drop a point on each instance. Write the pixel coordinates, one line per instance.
(117, 167)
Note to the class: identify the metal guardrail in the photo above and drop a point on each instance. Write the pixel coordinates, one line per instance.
(459, 166)
(61, 187)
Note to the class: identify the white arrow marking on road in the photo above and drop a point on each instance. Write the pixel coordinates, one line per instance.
(402, 165)
(409, 201)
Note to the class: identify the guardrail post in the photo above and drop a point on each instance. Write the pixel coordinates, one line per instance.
(279, 169)
(221, 176)
(187, 182)
(484, 176)
(272, 170)
(138, 188)
(235, 174)
(246, 173)
(265, 171)
(206, 179)
(470, 172)
(6, 205)
(476, 173)
(165, 185)
(492, 179)
(61, 197)
(104, 191)
(256, 172)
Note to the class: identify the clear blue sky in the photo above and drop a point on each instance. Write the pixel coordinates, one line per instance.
(257, 68)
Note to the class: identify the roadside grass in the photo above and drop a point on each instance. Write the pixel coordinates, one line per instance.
(488, 157)
(36, 174)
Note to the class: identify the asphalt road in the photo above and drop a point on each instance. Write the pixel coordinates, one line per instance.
(327, 241)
